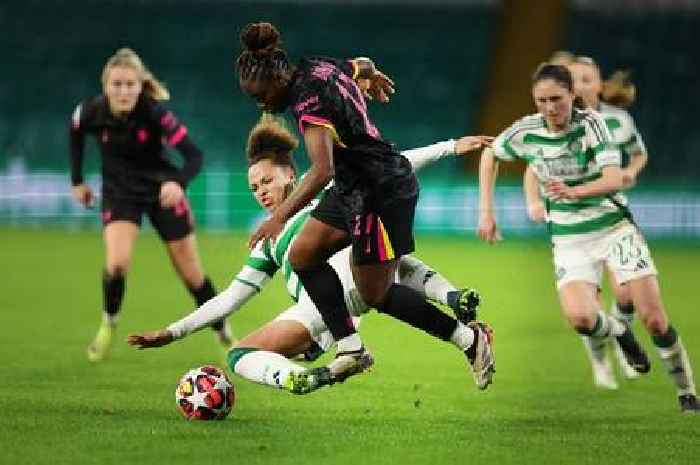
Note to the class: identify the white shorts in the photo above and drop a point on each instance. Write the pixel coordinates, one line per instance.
(621, 248)
(305, 311)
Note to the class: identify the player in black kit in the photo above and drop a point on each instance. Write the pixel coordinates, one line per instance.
(371, 204)
(133, 129)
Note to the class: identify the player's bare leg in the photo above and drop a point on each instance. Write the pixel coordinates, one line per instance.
(119, 238)
(646, 297)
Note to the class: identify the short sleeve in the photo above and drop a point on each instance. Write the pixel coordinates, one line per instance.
(314, 109)
(508, 145)
(633, 143)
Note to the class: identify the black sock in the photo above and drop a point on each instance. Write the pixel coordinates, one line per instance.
(204, 293)
(625, 309)
(113, 292)
(666, 340)
(324, 287)
(407, 305)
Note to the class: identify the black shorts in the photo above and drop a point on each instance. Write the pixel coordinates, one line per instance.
(171, 224)
(379, 232)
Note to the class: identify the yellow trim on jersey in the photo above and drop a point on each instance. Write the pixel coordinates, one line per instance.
(388, 249)
(328, 125)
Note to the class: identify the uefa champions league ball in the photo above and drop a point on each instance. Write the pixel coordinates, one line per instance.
(205, 393)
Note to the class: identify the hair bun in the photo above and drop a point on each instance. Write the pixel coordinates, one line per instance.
(260, 37)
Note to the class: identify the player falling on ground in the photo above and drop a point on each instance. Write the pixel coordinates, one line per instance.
(596, 94)
(578, 167)
(133, 129)
(370, 206)
(263, 356)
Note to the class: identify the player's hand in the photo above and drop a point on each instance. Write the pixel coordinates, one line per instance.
(537, 212)
(558, 190)
(629, 178)
(487, 229)
(170, 194)
(467, 144)
(83, 195)
(269, 229)
(158, 338)
(380, 87)
(364, 85)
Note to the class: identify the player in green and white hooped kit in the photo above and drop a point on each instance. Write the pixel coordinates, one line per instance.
(589, 87)
(262, 356)
(578, 168)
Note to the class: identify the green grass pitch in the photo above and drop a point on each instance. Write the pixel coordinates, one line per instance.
(418, 405)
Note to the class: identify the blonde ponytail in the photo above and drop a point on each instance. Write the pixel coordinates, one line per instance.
(618, 90)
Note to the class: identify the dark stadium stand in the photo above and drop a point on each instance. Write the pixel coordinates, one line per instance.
(436, 56)
(656, 47)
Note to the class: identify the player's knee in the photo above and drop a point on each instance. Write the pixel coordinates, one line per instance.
(374, 297)
(581, 322)
(623, 296)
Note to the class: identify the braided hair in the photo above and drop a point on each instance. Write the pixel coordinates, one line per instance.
(262, 58)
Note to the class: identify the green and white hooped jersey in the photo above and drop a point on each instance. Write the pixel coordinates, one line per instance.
(575, 156)
(269, 256)
(623, 130)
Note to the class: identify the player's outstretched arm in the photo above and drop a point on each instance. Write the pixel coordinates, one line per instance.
(246, 284)
(148, 339)
(422, 156)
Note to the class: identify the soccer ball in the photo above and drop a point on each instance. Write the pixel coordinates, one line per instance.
(205, 393)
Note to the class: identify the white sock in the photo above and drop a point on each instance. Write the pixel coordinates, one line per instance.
(607, 326)
(595, 348)
(677, 364)
(350, 343)
(628, 318)
(462, 337)
(418, 276)
(110, 319)
(264, 367)
(437, 287)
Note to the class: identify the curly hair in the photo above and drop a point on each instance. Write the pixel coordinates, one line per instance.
(271, 140)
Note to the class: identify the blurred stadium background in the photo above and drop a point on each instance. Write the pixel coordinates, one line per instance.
(461, 67)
